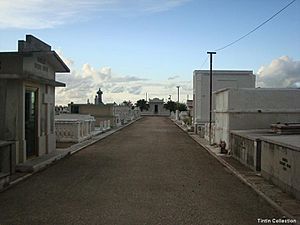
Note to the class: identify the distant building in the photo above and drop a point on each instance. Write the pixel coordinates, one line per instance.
(27, 97)
(156, 108)
(101, 112)
(116, 114)
(221, 79)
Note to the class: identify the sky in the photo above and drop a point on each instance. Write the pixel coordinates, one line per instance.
(132, 47)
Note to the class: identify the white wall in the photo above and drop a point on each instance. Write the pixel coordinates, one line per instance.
(242, 109)
(221, 79)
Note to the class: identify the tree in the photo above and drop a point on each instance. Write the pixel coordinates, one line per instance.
(128, 103)
(182, 107)
(142, 104)
(172, 106)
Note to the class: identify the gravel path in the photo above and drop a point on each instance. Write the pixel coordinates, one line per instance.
(148, 173)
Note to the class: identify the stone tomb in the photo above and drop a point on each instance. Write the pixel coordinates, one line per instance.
(27, 92)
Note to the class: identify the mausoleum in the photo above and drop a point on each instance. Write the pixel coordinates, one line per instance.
(27, 92)
(156, 108)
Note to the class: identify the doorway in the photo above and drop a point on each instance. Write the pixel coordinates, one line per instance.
(155, 109)
(31, 122)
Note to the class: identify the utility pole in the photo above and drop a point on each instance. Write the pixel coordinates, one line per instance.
(210, 94)
(178, 93)
(177, 111)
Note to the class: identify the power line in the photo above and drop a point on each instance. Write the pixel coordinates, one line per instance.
(204, 62)
(256, 28)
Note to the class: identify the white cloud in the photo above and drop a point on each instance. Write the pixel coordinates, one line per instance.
(173, 77)
(159, 6)
(281, 72)
(40, 14)
(136, 90)
(118, 90)
(83, 83)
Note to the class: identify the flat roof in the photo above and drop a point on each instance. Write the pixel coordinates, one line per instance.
(257, 89)
(291, 141)
(224, 71)
(253, 134)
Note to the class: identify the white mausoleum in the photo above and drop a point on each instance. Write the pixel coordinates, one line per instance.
(221, 79)
(156, 108)
(254, 108)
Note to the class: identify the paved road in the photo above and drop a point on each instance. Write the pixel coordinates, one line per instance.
(148, 173)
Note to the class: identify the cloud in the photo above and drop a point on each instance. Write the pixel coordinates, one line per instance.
(41, 14)
(84, 81)
(159, 6)
(135, 90)
(281, 72)
(118, 90)
(173, 78)
(127, 79)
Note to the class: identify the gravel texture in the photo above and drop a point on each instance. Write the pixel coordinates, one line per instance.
(148, 173)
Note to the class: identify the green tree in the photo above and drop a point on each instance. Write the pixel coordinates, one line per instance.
(172, 106)
(142, 104)
(182, 107)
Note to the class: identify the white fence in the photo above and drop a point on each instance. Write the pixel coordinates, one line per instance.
(74, 127)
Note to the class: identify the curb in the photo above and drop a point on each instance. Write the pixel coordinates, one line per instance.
(243, 179)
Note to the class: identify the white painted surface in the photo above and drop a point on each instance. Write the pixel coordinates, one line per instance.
(250, 108)
(221, 79)
(74, 127)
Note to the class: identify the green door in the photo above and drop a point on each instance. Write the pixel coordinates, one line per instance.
(31, 122)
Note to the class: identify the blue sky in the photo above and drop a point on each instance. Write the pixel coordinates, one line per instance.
(131, 47)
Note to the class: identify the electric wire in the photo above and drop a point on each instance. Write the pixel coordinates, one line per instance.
(203, 63)
(256, 28)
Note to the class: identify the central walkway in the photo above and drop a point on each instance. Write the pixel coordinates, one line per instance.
(148, 173)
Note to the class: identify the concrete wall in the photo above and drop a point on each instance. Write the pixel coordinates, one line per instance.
(12, 116)
(11, 63)
(242, 109)
(280, 165)
(221, 79)
(246, 150)
(100, 112)
(96, 110)
(37, 65)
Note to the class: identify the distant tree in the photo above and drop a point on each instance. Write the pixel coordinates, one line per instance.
(172, 106)
(128, 103)
(142, 104)
(182, 107)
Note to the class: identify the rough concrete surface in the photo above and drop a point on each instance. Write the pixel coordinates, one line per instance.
(148, 173)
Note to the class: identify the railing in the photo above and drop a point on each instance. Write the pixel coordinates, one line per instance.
(73, 130)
